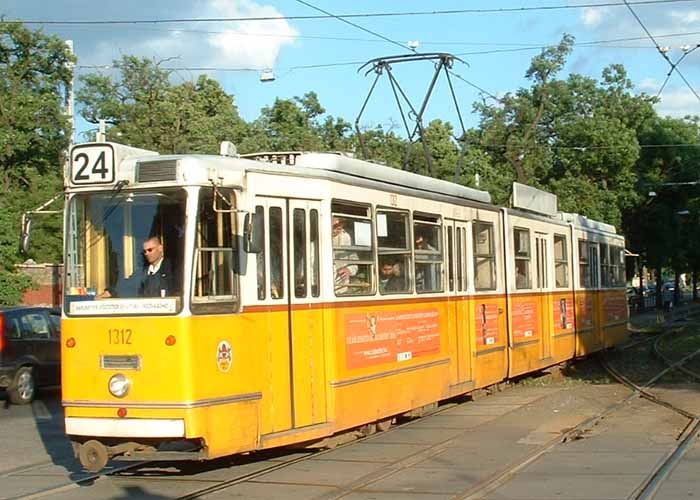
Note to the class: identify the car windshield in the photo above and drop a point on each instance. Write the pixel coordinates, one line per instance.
(112, 238)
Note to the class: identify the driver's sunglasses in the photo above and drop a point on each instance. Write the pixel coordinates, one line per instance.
(148, 250)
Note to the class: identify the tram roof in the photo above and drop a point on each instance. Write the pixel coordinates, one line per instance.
(583, 222)
(345, 166)
(331, 166)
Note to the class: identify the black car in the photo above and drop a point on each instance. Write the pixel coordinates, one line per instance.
(30, 351)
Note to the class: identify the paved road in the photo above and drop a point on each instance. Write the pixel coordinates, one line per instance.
(446, 455)
(442, 456)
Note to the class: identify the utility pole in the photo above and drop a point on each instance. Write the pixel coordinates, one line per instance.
(69, 105)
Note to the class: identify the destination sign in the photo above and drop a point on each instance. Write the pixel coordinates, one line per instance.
(92, 164)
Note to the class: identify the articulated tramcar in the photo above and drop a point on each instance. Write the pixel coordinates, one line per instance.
(307, 294)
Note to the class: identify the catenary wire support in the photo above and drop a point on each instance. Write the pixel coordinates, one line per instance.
(415, 131)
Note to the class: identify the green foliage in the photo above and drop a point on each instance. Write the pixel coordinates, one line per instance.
(578, 137)
(297, 124)
(12, 286)
(35, 71)
(144, 109)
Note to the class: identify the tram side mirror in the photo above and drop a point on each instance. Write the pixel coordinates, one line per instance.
(254, 238)
(26, 229)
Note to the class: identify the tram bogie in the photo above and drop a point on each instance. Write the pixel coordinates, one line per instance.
(303, 301)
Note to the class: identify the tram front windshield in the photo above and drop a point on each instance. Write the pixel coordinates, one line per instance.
(108, 236)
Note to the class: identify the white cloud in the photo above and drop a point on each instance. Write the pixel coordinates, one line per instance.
(678, 103)
(251, 44)
(593, 16)
(686, 17)
(649, 85)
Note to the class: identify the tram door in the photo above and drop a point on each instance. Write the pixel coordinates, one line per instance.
(542, 289)
(306, 313)
(457, 245)
(292, 281)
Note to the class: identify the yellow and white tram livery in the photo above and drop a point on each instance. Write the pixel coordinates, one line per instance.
(311, 294)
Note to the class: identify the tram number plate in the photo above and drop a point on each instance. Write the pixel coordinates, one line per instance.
(404, 356)
(93, 164)
(118, 336)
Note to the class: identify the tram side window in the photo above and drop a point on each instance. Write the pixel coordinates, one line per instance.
(460, 254)
(617, 266)
(484, 256)
(428, 252)
(215, 283)
(314, 249)
(450, 260)
(587, 264)
(299, 232)
(276, 236)
(393, 239)
(521, 245)
(353, 252)
(260, 256)
(561, 261)
(605, 268)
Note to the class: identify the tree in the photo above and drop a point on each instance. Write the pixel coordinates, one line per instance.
(576, 137)
(35, 73)
(295, 125)
(657, 227)
(144, 109)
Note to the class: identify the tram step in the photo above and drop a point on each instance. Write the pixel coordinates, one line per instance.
(152, 456)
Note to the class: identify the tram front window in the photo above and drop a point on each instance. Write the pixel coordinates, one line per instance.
(115, 241)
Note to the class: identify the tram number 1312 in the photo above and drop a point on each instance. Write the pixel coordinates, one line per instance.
(119, 335)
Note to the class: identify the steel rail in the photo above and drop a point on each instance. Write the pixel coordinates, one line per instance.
(494, 482)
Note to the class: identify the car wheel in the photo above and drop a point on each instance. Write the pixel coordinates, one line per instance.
(22, 390)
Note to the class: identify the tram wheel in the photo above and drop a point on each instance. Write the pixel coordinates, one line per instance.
(93, 455)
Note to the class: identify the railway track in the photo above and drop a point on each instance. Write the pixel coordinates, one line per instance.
(656, 477)
(495, 481)
(149, 470)
(201, 485)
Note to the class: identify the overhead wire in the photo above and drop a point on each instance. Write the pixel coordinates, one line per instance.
(403, 46)
(514, 45)
(674, 67)
(340, 18)
(503, 10)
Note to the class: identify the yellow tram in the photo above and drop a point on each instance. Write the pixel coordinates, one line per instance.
(308, 294)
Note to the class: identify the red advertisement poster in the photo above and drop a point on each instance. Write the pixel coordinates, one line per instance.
(486, 323)
(585, 311)
(524, 317)
(615, 307)
(390, 336)
(563, 309)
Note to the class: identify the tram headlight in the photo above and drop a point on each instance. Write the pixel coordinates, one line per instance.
(119, 385)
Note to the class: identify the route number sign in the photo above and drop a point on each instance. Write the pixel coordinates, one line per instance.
(92, 164)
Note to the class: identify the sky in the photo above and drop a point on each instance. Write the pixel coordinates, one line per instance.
(494, 41)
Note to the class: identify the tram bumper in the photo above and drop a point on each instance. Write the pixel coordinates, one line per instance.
(126, 427)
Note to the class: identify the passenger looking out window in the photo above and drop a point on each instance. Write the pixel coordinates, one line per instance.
(352, 249)
(428, 253)
(391, 278)
(393, 240)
